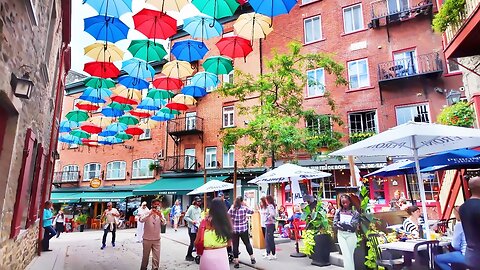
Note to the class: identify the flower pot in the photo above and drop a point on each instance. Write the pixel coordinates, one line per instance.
(82, 227)
(359, 256)
(321, 251)
(163, 228)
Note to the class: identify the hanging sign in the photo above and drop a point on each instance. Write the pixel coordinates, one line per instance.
(296, 193)
(95, 183)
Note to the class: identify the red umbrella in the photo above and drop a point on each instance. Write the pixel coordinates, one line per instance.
(90, 142)
(168, 83)
(140, 113)
(90, 128)
(89, 107)
(242, 2)
(176, 106)
(124, 100)
(234, 46)
(155, 24)
(101, 69)
(134, 131)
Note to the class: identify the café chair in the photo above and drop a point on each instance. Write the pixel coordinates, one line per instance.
(384, 258)
(424, 254)
(298, 226)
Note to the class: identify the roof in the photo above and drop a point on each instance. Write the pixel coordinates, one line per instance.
(173, 186)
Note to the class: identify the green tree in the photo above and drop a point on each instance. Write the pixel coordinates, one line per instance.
(273, 129)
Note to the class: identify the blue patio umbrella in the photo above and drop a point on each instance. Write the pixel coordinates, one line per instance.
(133, 82)
(114, 8)
(203, 27)
(151, 104)
(205, 80)
(272, 8)
(67, 126)
(107, 133)
(106, 28)
(161, 116)
(70, 139)
(194, 91)
(111, 112)
(448, 158)
(189, 50)
(138, 68)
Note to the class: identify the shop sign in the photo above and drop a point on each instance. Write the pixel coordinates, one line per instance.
(95, 183)
(167, 193)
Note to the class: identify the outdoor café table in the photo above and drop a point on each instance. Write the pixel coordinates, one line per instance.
(407, 248)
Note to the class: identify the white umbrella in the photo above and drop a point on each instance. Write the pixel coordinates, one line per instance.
(413, 140)
(288, 172)
(211, 186)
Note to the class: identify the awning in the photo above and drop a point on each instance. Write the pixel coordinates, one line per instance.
(102, 196)
(173, 186)
(64, 197)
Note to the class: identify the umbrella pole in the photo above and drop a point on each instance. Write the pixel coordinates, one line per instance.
(421, 188)
(235, 179)
(409, 189)
(204, 194)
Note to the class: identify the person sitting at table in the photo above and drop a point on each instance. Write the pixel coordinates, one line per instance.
(281, 218)
(411, 225)
(459, 245)
(397, 202)
(297, 214)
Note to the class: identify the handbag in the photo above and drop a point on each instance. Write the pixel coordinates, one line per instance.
(199, 241)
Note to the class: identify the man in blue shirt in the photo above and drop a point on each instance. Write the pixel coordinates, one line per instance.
(227, 203)
(49, 231)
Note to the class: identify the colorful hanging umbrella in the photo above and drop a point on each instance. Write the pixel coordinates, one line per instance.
(151, 104)
(109, 140)
(99, 93)
(106, 28)
(216, 8)
(133, 82)
(134, 131)
(205, 80)
(177, 69)
(87, 106)
(123, 136)
(189, 50)
(114, 8)
(234, 46)
(272, 8)
(168, 5)
(107, 133)
(128, 120)
(70, 139)
(147, 50)
(138, 68)
(167, 83)
(92, 99)
(159, 94)
(161, 116)
(147, 124)
(91, 128)
(141, 113)
(111, 112)
(202, 27)
(124, 100)
(77, 116)
(218, 65)
(170, 111)
(117, 127)
(96, 82)
(101, 69)
(104, 52)
(177, 106)
(100, 121)
(155, 24)
(120, 106)
(194, 91)
(124, 95)
(253, 25)
(67, 126)
(184, 99)
(80, 134)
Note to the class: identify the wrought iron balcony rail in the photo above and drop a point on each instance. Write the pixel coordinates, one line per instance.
(66, 177)
(452, 30)
(180, 163)
(185, 125)
(401, 11)
(410, 67)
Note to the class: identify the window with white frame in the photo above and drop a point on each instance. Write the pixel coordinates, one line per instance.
(415, 113)
(228, 78)
(189, 159)
(145, 135)
(453, 66)
(116, 170)
(140, 168)
(312, 28)
(316, 82)
(228, 156)
(327, 186)
(353, 18)
(430, 183)
(90, 171)
(210, 157)
(228, 116)
(70, 173)
(358, 74)
(405, 63)
(362, 122)
(319, 124)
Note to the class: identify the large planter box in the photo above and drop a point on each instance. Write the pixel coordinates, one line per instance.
(321, 251)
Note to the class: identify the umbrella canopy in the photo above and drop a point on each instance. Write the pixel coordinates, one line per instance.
(99, 93)
(234, 46)
(100, 121)
(194, 91)
(87, 106)
(101, 69)
(141, 113)
(205, 80)
(203, 27)
(176, 106)
(272, 8)
(117, 127)
(104, 52)
(128, 120)
(211, 186)
(123, 136)
(394, 169)
(120, 106)
(155, 24)
(133, 82)
(189, 50)
(109, 140)
(168, 5)
(253, 25)
(111, 112)
(70, 139)
(161, 116)
(218, 65)
(122, 91)
(167, 83)
(216, 8)
(124, 100)
(288, 172)
(147, 124)
(77, 116)
(151, 104)
(92, 99)
(90, 128)
(107, 133)
(106, 28)
(97, 82)
(170, 111)
(138, 68)
(184, 99)
(67, 126)
(160, 94)
(80, 133)
(147, 50)
(134, 131)
(177, 69)
(114, 8)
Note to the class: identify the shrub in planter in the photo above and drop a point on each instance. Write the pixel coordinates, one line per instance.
(460, 114)
(166, 213)
(82, 220)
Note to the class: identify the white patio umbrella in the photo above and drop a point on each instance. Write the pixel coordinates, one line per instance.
(414, 140)
(211, 186)
(288, 172)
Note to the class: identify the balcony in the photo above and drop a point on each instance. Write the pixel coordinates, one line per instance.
(426, 65)
(462, 38)
(182, 163)
(385, 12)
(66, 177)
(185, 126)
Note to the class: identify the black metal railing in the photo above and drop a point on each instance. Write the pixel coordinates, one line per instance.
(66, 177)
(185, 125)
(401, 10)
(410, 67)
(180, 163)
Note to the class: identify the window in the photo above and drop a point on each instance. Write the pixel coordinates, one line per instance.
(228, 78)
(146, 135)
(405, 63)
(416, 113)
(70, 173)
(51, 31)
(189, 159)
(140, 168)
(211, 157)
(453, 66)
(116, 170)
(228, 116)
(190, 120)
(352, 18)
(319, 124)
(288, 193)
(90, 171)
(312, 29)
(363, 122)
(377, 190)
(358, 74)
(430, 183)
(316, 82)
(396, 6)
(327, 186)
(228, 156)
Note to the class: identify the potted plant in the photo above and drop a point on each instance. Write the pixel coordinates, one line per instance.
(82, 220)
(155, 166)
(359, 136)
(166, 213)
(460, 114)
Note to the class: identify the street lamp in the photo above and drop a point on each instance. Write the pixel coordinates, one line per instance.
(453, 97)
(22, 87)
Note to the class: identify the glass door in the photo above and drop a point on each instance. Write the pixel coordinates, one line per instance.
(190, 120)
(405, 63)
(189, 159)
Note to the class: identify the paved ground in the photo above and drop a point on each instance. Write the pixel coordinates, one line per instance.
(81, 251)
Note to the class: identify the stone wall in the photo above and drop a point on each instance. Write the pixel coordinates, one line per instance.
(471, 81)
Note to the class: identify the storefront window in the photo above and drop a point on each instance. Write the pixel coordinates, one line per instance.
(431, 184)
(377, 190)
(288, 194)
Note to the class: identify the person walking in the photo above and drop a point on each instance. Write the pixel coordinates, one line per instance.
(269, 217)
(110, 224)
(193, 218)
(140, 212)
(59, 222)
(213, 236)
(470, 216)
(176, 213)
(47, 221)
(346, 222)
(152, 221)
(222, 196)
(238, 214)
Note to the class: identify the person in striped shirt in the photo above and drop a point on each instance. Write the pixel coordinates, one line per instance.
(238, 212)
(412, 224)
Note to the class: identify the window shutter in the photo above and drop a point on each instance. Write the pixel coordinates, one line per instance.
(25, 173)
(35, 196)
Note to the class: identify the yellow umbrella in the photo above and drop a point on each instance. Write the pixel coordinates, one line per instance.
(177, 69)
(147, 123)
(168, 5)
(184, 99)
(253, 25)
(125, 92)
(104, 52)
(100, 121)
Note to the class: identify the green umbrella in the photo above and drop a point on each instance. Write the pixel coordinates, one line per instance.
(96, 82)
(170, 111)
(147, 50)
(77, 116)
(160, 94)
(218, 65)
(216, 8)
(128, 120)
(119, 106)
(80, 134)
(124, 136)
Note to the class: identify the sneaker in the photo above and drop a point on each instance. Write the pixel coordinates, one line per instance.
(236, 265)
(113, 244)
(272, 257)
(189, 258)
(103, 246)
(253, 261)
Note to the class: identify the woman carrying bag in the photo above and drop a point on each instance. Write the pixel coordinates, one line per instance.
(346, 222)
(59, 222)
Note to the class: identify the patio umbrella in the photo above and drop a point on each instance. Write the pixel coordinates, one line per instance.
(253, 25)
(161, 116)
(67, 126)
(138, 68)
(87, 106)
(216, 8)
(177, 69)
(106, 28)
(101, 69)
(111, 112)
(120, 106)
(194, 91)
(134, 131)
(80, 134)
(155, 24)
(133, 82)
(128, 120)
(147, 50)
(104, 52)
(114, 8)
(91, 128)
(218, 65)
(176, 106)
(168, 5)
(205, 80)
(234, 46)
(77, 116)
(184, 99)
(203, 27)
(189, 50)
(160, 94)
(288, 172)
(167, 83)
(272, 8)
(141, 113)
(100, 121)
(211, 186)
(97, 82)
(414, 140)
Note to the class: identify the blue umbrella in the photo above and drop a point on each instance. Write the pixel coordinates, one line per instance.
(107, 133)
(92, 99)
(117, 127)
(138, 68)
(272, 8)
(67, 138)
(194, 91)
(111, 112)
(67, 126)
(151, 104)
(99, 93)
(114, 8)
(133, 82)
(110, 140)
(189, 50)
(106, 28)
(205, 80)
(203, 27)
(161, 116)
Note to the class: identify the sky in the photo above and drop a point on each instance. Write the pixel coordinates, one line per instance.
(81, 39)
